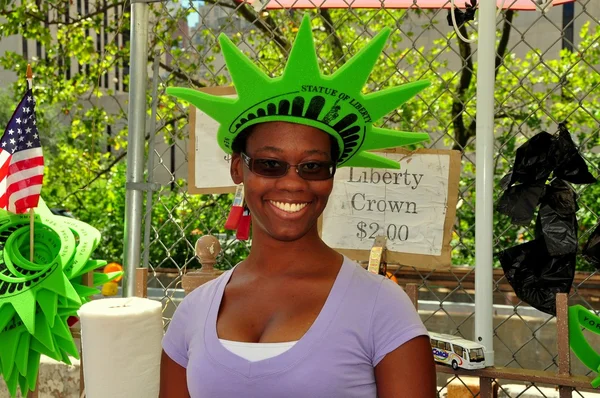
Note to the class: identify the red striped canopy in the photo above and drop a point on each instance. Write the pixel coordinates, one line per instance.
(525, 5)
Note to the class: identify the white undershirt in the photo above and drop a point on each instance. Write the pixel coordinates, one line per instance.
(254, 352)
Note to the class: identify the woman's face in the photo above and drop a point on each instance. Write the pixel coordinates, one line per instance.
(285, 208)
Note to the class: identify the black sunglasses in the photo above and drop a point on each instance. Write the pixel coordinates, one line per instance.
(271, 168)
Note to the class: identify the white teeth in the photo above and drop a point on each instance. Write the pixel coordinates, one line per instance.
(289, 207)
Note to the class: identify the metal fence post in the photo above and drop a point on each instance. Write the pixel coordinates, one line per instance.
(484, 202)
(135, 143)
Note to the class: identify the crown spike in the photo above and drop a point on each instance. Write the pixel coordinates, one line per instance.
(247, 77)
(383, 102)
(302, 62)
(383, 138)
(212, 105)
(333, 103)
(356, 71)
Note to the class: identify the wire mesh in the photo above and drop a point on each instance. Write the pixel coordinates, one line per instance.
(547, 73)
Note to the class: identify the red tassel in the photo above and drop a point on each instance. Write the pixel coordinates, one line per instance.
(237, 210)
(243, 230)
(235, 217)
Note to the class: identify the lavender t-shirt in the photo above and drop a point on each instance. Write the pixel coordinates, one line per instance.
(365, 317)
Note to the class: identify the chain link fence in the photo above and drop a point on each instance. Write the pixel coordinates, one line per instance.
(547, 70)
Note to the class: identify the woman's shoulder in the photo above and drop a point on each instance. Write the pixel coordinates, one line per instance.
(376, 286)
(366, 280)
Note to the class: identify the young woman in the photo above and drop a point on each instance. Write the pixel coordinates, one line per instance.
(296, 318)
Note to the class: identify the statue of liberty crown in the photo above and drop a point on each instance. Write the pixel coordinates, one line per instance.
(334, 103)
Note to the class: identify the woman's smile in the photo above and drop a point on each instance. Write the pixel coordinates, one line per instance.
(286, 211)
(289, 207)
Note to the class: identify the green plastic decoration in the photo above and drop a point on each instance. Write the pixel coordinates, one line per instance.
(334, 103)
(38, 297)
(580, 317)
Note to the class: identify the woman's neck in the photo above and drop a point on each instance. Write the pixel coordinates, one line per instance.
(269, 255)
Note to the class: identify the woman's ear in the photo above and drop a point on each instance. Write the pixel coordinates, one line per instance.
(236, 169)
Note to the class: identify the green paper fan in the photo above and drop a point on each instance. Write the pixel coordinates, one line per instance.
(88, 238)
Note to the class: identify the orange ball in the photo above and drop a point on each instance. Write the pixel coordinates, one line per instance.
(391, 276)
(114, 267)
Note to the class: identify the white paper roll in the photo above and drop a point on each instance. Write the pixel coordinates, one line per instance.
(121, 342)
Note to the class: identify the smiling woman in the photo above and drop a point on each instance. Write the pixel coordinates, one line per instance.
(296, 318)
(285, 207)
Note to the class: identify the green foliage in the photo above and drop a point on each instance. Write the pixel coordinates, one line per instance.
(6, 104)
(75, 110)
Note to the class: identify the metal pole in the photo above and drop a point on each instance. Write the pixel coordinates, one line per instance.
(484, 207)
(151, 140)
(135, 144)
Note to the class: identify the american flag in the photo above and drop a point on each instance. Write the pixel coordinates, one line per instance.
(21, 159)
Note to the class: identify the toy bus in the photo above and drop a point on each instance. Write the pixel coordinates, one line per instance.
(457, 352)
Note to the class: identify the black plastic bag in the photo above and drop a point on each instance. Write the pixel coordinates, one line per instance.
(534, 161)
(535, 276)
(462, 16)
(570, 165)
(520, 201)
(556, 222)
(591, 249)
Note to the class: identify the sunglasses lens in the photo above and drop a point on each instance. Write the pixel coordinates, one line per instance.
(269, 167)
(277, 168)
(316, 171)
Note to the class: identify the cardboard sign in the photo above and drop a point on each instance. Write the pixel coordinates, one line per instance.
(414, 208)
(208, 166)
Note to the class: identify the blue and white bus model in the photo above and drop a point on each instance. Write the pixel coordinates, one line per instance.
(457, 352)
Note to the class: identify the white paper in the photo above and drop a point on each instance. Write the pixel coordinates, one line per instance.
(211, 168)
(121, 341)
(408, 206)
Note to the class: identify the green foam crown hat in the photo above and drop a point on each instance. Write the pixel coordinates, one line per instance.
(333, 104)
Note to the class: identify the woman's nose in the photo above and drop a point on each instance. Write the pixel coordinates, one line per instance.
(291, 181)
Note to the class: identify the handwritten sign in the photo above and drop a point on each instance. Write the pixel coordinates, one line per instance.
(414, 208)
(208, 167)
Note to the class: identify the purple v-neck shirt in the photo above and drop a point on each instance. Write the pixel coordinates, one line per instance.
(365, 317)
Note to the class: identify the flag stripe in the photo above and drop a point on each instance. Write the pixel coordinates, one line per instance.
(22, 204)
(24, 174)
(23, 185)
(26, 154)
(25, 165)
(4, 157)
(4, 167)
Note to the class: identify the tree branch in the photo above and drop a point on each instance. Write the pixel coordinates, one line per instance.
(267, 26)
(503, 44)
(461, 134)
(220, 4)
(336, 42)
(118, 158)
(178, 73)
